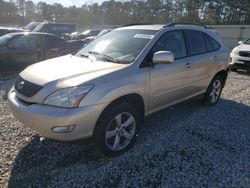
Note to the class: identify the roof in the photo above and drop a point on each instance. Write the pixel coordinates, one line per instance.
(144, 27)
(157, 27)
(30, 33)
(10, 28)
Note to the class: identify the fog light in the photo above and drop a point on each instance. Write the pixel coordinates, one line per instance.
(63, 129)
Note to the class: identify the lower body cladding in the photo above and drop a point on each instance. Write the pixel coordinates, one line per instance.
(56, 123)
(241, 63)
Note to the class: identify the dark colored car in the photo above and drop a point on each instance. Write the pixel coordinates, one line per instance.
(58, 29)
(91, 38)
(85, 34)
(7, 30)
(31, 26)
(18, 50)
(88, 40)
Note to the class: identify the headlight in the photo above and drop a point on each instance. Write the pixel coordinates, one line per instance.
(235, 52)
(68, 97)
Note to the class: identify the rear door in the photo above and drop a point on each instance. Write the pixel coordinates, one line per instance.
(169, 83)
(201, 59)
(53, 46)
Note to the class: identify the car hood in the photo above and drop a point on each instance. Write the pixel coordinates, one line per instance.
(243, 47)
(69, 70)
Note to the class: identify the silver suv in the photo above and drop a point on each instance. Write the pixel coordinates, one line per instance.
(105, 90)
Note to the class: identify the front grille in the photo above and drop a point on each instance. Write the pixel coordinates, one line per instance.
(244, 54)
(26, 88)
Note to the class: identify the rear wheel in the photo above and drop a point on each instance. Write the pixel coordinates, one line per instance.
(213, 92)
(116, 129)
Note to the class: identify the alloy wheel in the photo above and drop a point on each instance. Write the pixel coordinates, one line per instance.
(120, 131)
(215, 92)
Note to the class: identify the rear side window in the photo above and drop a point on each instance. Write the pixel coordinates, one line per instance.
(210, 48)
(196, 42)
(52, 41)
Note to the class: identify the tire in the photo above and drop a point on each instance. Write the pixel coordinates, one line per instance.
(213, 93)
(112, 136)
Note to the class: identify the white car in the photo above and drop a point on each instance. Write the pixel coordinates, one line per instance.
(240, 56)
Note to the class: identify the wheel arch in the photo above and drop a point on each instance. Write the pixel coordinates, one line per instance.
(134, 99)
(223, 74)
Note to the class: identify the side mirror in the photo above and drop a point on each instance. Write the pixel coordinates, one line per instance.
(240, 42)
(163, 57)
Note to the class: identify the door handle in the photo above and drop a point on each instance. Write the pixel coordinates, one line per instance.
(188, 65)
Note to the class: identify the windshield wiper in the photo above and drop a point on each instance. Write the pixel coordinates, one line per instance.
(104, 56)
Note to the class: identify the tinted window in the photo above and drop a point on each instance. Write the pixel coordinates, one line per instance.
(208, 43)
(23, 42)
(214, 43)
(32, 41)
(197, 43)
(55, 28)
(51, 41)
(173, 41)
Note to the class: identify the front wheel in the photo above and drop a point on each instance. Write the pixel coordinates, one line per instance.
(213, 92)
(116, 129)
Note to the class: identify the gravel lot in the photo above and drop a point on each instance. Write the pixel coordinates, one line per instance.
(185, 146)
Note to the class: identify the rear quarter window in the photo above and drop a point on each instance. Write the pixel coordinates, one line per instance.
(214, 43)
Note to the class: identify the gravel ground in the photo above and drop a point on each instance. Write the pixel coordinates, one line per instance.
(185, 146)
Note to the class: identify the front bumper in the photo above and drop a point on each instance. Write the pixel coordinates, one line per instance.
(43, 118)
(239, 62)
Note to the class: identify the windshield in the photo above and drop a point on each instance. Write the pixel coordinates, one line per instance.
(39, 27)
(32, 25)
(247, 41)
(103, 32)
(122, 46)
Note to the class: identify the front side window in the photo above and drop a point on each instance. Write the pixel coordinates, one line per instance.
(20, 42)
(197, 43)
(173, 41)
(121, 46)
(24, 42)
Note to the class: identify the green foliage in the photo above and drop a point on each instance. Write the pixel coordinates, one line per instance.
(123, 12)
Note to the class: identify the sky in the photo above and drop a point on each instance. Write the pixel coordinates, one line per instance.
(68, 3)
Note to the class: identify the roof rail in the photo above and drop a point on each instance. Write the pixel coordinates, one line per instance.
(132, 24)
(172, 24)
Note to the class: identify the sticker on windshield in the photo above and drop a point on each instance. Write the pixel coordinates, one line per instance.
(144, 36)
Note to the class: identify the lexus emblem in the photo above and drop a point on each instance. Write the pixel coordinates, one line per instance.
(20, 85)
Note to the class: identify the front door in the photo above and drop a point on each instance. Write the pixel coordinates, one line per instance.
(170, 83)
